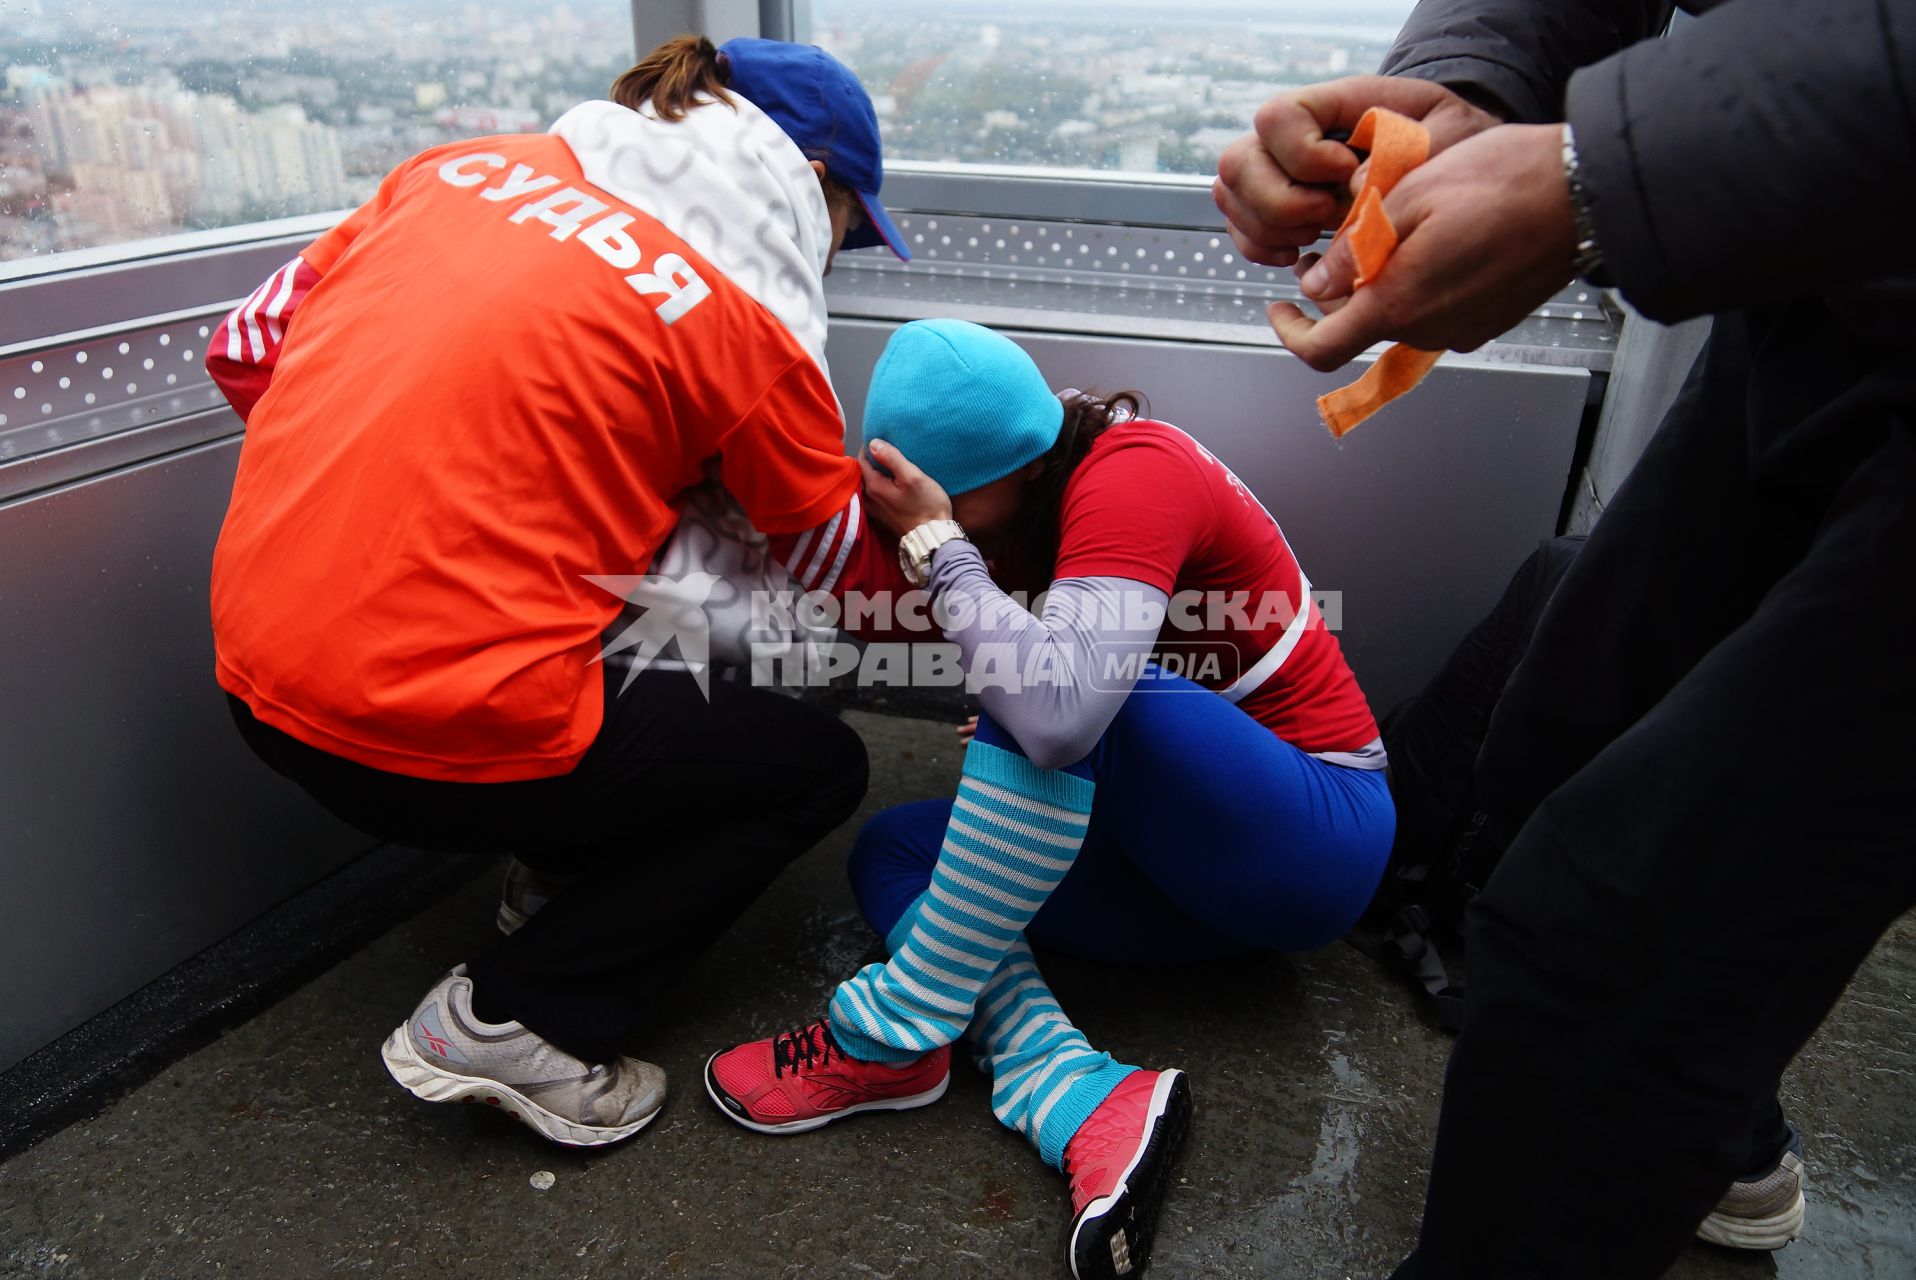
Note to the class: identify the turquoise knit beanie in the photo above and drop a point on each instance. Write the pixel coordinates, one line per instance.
(964, 404)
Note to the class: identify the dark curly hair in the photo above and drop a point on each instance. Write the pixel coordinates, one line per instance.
(1087, 415)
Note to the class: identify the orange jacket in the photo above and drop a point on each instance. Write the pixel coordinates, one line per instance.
(497, 381)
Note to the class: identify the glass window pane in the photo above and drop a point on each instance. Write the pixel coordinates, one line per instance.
(122, 120)
(1091, 84)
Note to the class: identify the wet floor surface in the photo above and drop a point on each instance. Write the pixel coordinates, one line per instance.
(284, 1150)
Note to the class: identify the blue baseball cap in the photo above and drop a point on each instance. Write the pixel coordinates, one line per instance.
(821, 106)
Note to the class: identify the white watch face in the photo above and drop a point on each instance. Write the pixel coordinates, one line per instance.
(915, 563)
(917, 547)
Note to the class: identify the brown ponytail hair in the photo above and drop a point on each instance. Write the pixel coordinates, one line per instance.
(673, 77)
(1087, 415)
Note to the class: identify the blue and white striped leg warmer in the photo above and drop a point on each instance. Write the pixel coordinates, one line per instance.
(1045, 1076)
(1015, 830)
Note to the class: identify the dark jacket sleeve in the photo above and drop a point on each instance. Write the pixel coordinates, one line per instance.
(1514, 57)
(1766, 149)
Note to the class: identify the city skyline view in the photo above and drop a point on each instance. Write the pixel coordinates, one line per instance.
(1074, 84)
(133, 119)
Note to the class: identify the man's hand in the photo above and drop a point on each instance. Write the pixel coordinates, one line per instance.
(1485, 234)
(1285, 185)
(907, 497)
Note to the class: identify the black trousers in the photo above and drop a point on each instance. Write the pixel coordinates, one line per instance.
(1708, 760)
(676, 819)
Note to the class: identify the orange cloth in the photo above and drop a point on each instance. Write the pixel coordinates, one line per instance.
(1397, 144)
(500, 385)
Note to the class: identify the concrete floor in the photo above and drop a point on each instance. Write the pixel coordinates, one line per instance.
(284, 1150)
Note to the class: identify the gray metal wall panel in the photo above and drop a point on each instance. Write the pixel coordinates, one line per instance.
(1418, 517)
(135, 827)
(1651, 363)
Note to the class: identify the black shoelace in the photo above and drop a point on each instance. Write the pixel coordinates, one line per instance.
(804, 1049)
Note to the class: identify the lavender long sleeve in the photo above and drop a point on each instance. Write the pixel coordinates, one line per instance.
(1094, 633)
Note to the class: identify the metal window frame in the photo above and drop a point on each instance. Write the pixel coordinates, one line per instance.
(121, 292)
(87, 292)
(1059, 195)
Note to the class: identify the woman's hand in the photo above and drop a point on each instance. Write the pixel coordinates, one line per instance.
(907, 497)
(1286, 184)
(1485, 235)
(968, 730)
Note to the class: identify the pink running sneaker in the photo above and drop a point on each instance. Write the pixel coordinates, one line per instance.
(1119, 1161)
(801, 1080)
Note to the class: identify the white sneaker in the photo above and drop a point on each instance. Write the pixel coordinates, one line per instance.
(443, 1053)
(1764, 1212)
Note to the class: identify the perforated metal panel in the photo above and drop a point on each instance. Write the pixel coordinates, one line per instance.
(1133, 281)
(1142, 253)
(91, 389)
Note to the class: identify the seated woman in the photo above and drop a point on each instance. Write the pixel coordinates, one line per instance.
(1114, 810)
(467, 404)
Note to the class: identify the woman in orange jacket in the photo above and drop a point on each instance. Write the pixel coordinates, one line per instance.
(487, 387)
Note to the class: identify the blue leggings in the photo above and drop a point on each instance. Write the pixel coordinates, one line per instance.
(1209, 836)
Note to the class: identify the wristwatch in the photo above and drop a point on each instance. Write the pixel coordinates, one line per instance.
(1588, 263)
(915, 548)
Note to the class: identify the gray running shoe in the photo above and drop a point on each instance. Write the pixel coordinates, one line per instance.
(1764, 1212)
(445, 1054)
(523, 892)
